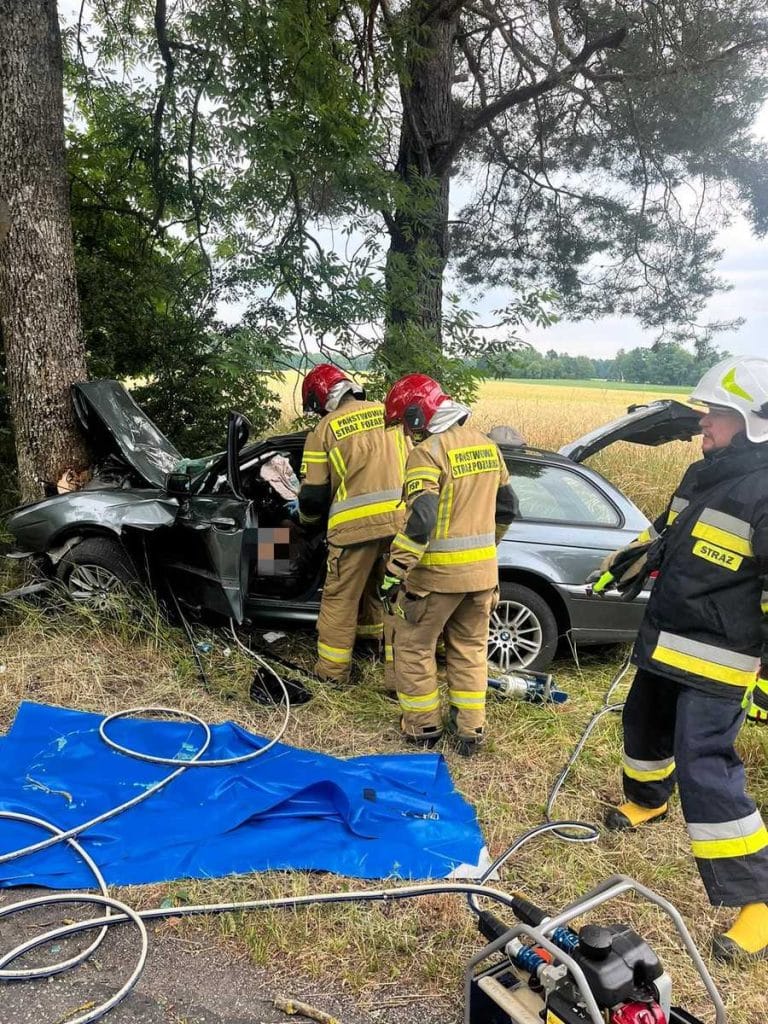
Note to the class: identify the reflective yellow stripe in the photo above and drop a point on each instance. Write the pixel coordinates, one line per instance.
(467, 698)
(702, 667)
(425, 702)
(389, 653)
(648, 775)
(338, 654)
(764, 607)
(375, 630)
(337, 461)
(458, 557)
(401, 541)
(422, 473)
(444, 509)
(402, 451)
(676, 506)
(725, 539)
(362, 511)
(315, 457)
(710, 849)
(304, 517)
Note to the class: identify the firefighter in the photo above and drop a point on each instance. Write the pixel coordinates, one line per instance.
(352, 476)
(702, 653)
(442, 574)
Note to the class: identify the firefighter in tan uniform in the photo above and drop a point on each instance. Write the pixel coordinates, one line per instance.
(352, 475)
(442, 573)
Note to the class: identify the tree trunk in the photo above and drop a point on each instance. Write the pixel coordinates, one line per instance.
(418, 251)
(39, 310)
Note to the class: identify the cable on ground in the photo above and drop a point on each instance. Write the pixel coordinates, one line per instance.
(116, 912)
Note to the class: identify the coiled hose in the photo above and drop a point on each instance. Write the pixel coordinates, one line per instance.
(116, 912)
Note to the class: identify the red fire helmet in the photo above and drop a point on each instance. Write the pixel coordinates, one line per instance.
(317, 386)
(413, 400)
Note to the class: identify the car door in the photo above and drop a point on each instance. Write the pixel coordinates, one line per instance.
(208, 552)
(567, 520)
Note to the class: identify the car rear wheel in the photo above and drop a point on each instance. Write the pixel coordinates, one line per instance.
(97, 573)
(523, 630)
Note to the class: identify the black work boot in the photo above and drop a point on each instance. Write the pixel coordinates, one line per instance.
(468, 746)
(426, 736)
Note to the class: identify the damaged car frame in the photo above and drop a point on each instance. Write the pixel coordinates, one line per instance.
(225, 540)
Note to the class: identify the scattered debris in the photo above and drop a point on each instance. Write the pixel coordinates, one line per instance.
(294, 1006)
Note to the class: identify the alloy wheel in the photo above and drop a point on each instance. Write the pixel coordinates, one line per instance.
(94, 587)
(515, 636)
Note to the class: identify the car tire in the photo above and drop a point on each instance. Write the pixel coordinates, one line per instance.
(523, 630)
(97, 571)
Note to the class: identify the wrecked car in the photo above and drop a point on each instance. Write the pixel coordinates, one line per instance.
(221, 531)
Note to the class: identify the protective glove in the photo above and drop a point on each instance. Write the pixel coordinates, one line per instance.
(757, 713)
(622, 570)
(387, 591)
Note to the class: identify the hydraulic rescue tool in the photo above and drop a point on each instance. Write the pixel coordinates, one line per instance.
(534, 687)
(544, 970)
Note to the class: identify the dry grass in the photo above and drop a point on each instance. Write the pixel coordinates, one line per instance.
(74, 659)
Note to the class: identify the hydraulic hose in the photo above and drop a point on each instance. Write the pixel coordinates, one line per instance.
(568, 831)
(116, 912)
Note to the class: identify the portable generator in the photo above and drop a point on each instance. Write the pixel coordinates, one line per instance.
(543, 971)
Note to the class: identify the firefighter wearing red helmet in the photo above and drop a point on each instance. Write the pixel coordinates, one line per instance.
(352, 476)
(442, 574)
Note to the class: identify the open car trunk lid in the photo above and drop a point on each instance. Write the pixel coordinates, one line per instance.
(653, 424)
(108, 413)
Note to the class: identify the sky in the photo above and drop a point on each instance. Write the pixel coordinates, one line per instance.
(744, 266)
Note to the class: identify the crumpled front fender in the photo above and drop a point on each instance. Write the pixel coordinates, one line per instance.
(46, 525)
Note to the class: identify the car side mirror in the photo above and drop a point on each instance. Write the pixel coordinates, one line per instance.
(178, 485)
(238, 432)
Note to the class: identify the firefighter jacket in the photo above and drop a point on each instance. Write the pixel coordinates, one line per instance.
(459, 504)
(706, 623)
(352, 472)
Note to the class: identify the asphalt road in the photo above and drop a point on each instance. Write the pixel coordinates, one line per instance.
(190, 978)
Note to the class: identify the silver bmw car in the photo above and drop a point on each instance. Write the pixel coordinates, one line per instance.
(220, 534)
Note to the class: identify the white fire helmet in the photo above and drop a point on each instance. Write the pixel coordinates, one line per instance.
(739, 383)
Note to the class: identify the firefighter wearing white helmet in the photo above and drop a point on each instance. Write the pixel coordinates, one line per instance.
(702, 654)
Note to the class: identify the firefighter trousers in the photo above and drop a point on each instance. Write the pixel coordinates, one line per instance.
(349, 607)
(677, 734)
(463, 621)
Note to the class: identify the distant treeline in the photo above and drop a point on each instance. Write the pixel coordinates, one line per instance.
(667, 363)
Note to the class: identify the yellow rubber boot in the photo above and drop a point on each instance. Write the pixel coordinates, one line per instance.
(631, 815)
(747, 938)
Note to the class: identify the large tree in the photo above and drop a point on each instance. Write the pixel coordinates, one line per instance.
(598, 147)
(39, 312)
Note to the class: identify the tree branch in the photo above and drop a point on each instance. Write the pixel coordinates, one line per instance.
(483, 116)
(161, 33)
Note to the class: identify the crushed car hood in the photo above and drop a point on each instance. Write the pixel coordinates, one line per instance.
(652, 424)
(108, 413)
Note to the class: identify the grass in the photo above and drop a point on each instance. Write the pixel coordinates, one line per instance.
(71, 658)
(77, 660)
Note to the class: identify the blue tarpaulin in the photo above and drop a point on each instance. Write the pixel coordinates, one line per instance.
(381, 816)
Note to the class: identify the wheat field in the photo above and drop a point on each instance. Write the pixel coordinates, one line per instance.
(550, 415)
